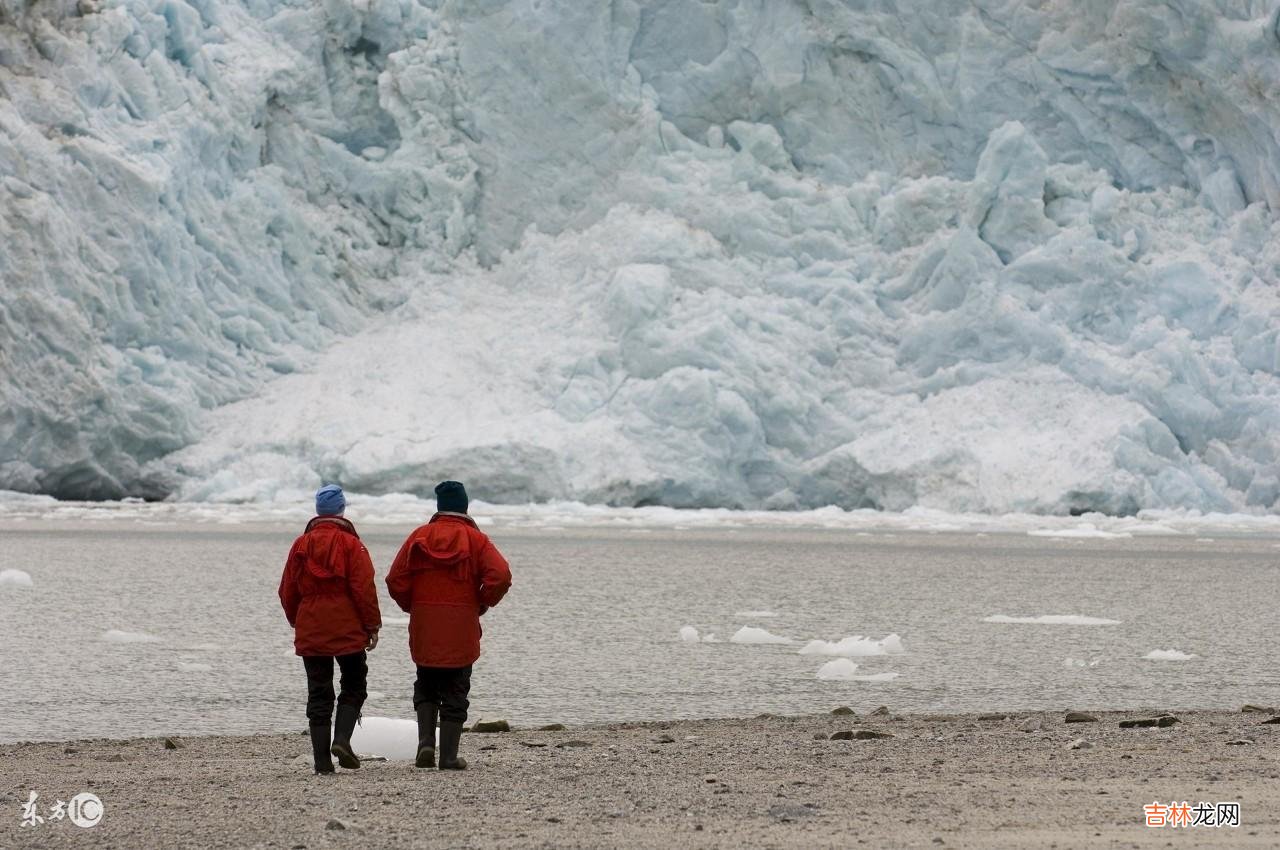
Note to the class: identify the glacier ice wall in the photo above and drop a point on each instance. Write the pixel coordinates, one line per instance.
(979, 256)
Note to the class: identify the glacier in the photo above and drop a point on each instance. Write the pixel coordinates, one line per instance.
(962, 256)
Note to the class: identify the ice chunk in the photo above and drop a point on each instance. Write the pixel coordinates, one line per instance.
(1052, 620)
(854, 646)
(15, 578)
(1169, 655)
(839, 669)
(753, 635)
(118, 636)
(1080, 663)
(194, 667)
(689, 634)
(391, 738)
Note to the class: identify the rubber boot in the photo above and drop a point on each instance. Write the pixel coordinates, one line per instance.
(450, 735)
(343, 726)
(320, 748)
(427, 734)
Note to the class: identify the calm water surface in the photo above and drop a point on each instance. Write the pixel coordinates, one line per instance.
(590, 630)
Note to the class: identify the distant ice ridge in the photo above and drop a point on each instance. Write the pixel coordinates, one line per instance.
(967, 256)
(1052, 620)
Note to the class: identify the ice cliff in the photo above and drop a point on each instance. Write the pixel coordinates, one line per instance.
(983, 256)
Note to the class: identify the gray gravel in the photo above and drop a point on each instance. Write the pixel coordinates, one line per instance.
(953, 781)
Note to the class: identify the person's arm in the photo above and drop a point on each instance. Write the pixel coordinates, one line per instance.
(290, 598)
(495, 575)
(364, 593)
(399, 579)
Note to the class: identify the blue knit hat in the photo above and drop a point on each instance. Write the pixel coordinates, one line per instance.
(451, 496)
(330, 501)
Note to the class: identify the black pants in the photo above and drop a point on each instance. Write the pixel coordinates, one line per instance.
(355, 674)
(447, 687)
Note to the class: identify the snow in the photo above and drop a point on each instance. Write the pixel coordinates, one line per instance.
(854, 646)
(749, 255)
(1052, 620)
(15, 578)
(389, 737)
(753, 635)
(118, 636)
(844, 670)
(1169, 655)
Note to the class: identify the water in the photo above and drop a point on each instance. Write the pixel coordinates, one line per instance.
(590, 630)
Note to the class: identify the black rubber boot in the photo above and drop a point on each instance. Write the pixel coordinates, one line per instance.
(450, 735)
(427, 734)
(343, 726)
(320, 748)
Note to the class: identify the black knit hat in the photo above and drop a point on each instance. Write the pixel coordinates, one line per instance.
(451, 496)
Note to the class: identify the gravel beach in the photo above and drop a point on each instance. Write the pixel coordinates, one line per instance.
(940, 780)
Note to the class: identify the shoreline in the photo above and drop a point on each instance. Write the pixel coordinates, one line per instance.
(991, 780)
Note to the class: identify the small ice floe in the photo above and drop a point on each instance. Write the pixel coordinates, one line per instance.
(194, 667)
(753, 635)
(844, 670)
(1169, 655)
(1052, 620)
(388, 737)
(15, 578)
(1084, 531)
(854, 646)
(118, 636)
(754, 615)
(1080, 663)
(689, 634)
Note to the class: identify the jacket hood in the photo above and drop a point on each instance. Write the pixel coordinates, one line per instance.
(322, 552)
(443, 542)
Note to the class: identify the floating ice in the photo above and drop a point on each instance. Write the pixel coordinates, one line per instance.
(118, 636)
(854, 646)
(1169, 655)
(754, 615)
(15, 578)
(1080, 663)
(689, 634)
(1088, 531)
(1052, 620)
(391, 738)
(839, 669)
(753, 635)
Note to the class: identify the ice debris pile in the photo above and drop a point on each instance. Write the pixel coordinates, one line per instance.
(970, 256)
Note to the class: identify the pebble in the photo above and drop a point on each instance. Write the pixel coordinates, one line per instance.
(572, 744)
(491, 726)
(870, 734)
(1080, 744)
(1033, 724)
(533, 743)
(552, 727)
(1260, 709)
(844, 711)
(665, 739)
(882, 711)
(334, 823)
(1239, 743)
(171, 744)
(1079, 717)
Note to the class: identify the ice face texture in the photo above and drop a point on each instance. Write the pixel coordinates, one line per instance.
(973, 256)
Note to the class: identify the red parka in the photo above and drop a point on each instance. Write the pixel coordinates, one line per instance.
(446, 575)
(327, 590)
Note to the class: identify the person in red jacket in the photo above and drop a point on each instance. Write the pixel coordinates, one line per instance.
(447, 574)
(329, 598)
